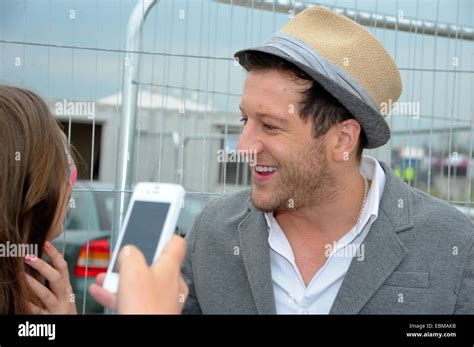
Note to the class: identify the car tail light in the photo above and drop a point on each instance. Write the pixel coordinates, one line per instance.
(99, 255)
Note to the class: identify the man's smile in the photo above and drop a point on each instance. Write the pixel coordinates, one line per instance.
(263, 173)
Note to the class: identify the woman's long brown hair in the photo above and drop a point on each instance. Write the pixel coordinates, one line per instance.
(33, 171)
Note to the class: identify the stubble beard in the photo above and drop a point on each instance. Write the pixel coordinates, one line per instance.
(304, 181)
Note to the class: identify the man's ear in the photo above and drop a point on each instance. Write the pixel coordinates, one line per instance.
(347, 139)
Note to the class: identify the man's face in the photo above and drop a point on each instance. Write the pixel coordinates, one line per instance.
(292, 169)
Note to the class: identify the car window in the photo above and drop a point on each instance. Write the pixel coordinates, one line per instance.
(82, 213)
(105, 208)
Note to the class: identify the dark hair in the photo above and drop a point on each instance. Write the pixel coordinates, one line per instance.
(317, 104)
(33, 170)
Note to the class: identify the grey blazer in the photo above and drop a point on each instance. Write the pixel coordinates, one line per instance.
(419, 259)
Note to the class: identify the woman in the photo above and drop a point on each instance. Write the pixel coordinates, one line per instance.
(37, 175)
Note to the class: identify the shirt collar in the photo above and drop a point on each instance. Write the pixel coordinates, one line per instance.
(371, 169)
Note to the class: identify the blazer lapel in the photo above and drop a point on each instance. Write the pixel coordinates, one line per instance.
(384, 251)
(255, 251)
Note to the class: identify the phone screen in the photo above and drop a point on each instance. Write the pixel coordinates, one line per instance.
(144, 227)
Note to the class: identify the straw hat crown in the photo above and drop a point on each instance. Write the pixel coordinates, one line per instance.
(351, 47)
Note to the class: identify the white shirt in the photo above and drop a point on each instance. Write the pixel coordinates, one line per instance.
(291, 294)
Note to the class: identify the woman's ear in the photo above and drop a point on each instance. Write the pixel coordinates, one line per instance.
(60, 215)
(347, 133)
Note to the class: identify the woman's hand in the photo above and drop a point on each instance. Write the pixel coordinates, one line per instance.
(159, 289)
(59, 298)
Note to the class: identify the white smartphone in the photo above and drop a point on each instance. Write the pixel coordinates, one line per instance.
(149, 224)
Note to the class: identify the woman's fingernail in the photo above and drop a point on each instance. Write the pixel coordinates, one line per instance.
(47, 245)
(29, 258)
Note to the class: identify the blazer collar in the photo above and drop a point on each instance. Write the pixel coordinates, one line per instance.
(384, 250)
(253, 234)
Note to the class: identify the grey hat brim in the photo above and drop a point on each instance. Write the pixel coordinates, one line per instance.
(333, 79)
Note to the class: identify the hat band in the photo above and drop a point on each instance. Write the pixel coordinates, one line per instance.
(304, 54)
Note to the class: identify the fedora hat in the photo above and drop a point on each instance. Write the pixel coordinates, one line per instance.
(346, 60)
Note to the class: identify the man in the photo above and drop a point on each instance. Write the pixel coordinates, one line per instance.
(324, 229)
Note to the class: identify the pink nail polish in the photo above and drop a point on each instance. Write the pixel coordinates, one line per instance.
(30, 258)
(47, 245)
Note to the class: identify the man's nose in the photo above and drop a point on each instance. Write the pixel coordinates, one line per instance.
(249, 140)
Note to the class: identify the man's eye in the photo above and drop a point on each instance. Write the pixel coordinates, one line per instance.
(243, 120)
(269, 127)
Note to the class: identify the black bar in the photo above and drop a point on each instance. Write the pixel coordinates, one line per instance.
(138, 329)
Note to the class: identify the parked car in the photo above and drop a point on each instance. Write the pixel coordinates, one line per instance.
(86, 242)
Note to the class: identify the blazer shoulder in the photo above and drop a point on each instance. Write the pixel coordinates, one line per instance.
(230, 207)
(440, 216)
(228, 202)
